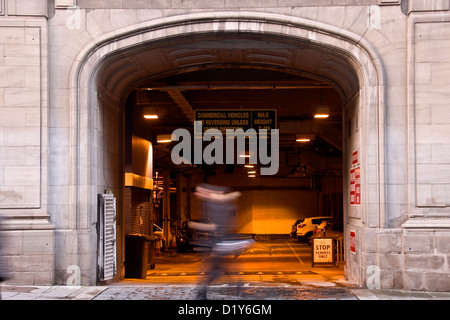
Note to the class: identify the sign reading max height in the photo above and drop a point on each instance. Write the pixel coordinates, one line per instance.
(237, 119)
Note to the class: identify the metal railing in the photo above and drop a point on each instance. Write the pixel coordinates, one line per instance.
(339, 245)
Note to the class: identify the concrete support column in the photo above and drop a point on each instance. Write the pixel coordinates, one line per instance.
(166, 206)
(179, 198)
(188, 197)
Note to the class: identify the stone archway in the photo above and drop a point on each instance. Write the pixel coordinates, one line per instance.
(103, 74)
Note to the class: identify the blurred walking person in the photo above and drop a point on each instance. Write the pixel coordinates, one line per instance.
(219, 205)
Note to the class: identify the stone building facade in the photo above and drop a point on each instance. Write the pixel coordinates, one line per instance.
(66, 66)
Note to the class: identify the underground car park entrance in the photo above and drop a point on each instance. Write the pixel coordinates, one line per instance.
(81, 167)
(184, 67)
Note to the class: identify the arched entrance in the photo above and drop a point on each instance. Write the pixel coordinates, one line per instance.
(111, 67)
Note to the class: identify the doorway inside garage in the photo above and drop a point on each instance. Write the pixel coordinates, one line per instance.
(235, 82)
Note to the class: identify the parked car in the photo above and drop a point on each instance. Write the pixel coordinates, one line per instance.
(158, 231)
(293, 233)
(306, 228)
(195, 233)
(329, 228)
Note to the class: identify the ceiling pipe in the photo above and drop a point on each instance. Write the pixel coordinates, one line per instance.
(235, 87)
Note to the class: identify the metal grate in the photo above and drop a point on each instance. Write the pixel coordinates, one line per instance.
(107, 233)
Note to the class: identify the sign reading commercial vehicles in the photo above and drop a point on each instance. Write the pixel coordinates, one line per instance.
(322, 251)
(237, 119)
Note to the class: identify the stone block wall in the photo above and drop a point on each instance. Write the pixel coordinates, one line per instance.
(26, 232)
(426, 260)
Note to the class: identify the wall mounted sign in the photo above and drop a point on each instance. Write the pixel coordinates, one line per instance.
(352, 241)
(355, 180)
(322, 251)
(237, 119)
(354, 158)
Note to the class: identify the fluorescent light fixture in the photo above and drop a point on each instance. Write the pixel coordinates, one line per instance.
(322, 112)
(149, 113)
(307, 137)
(164, 138)
(252, 176)
(251, 172)
(249, 166)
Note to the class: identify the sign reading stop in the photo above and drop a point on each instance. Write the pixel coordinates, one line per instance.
(323, 251)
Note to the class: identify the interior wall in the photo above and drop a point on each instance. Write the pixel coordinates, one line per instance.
(354, 154)
(355, 216)
(272, 205)
(108, 158)
(274, 211)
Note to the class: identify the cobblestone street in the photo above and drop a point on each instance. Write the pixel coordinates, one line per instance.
(226, 292)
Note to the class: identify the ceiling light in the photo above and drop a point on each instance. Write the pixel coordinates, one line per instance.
(322, 112)
(252, 176)
(249, 166)
(251, 172)
(304, 137)
(149, 113)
